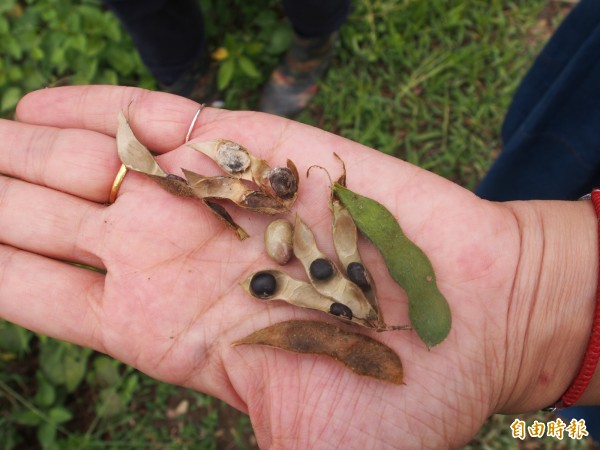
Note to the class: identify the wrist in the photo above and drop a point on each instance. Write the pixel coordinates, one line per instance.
(552, 302)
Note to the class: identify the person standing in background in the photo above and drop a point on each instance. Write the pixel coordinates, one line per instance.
(551, 133)
(169, 36)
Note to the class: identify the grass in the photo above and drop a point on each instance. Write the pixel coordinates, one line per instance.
(430, 82)
(426, 81)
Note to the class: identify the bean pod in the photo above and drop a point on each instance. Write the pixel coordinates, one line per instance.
(408, 265)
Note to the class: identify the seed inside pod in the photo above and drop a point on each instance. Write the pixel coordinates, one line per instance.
(339, 309)
(263, 284)
(408, 265)
(232, 157)
(283, 182)
(357, 274)
(278, 240)
(321, 269)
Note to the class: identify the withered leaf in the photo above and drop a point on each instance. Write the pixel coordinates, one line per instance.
(361, 354)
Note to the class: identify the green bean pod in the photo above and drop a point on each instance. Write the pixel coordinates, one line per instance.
(408, 265)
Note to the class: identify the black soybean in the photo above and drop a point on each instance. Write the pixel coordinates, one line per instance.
(357, 274)
(339, 309)
(321, 269)
(263, 285)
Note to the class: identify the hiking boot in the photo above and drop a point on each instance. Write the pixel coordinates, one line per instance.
(198, 83)
(294, 82)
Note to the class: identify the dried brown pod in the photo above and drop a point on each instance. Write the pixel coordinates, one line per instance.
(237, 161)
(327, 279)
(233, 189)
(361, 354)
(232, 157)
(135, 156)
(345, 242)
(225, 218)
(278, 241)
(277, 285)
(282, 183)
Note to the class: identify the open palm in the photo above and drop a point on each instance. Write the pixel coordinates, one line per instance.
(170, 303)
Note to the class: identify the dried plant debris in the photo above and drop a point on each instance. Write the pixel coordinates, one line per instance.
(360, 353)
(280, 183)
(278, 241)
(277, 187)
(232, 189)
(221, 213)
(408, 265)
(233, 158)
(135, 156)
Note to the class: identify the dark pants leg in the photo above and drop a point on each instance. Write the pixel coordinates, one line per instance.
(316, 18)
(551, 133)
(169, 34)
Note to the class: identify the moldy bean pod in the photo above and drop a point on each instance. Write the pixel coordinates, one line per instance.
(232, 157)
(280, 183)
(232, 189)
(135, 156)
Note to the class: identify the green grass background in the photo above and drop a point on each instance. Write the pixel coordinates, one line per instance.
(428, 81)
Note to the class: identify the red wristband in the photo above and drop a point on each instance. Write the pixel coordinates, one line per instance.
(592, 352)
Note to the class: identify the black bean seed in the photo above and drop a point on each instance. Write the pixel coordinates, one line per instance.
(339, 309)
(321, 269)
(263, 284)
(358, 275)
(283, 182)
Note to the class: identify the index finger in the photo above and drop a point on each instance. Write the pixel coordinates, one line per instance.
(160, 120)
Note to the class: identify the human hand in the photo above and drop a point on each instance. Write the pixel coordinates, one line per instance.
(170, 303)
